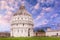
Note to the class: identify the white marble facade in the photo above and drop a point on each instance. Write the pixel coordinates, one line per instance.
(51, 32)
(22, 23)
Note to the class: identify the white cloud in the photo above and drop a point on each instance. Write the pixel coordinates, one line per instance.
(54, 15)
(43, 22)
(5, 19)
(42, 1)
(4, 24)
(2, 20)
(39, 16)
(11, 1)
(1, 16)
(3, 4)
(8, 15)
(4, 28)
(8, 12)
(34, 11)
(36, 6)
(47, 9)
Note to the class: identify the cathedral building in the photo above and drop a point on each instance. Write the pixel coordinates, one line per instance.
(22, 23)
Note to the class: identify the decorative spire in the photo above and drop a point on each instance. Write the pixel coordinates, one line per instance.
(22, 10)
(22, 5)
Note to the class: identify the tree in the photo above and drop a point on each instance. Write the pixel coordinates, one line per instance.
(41, 30)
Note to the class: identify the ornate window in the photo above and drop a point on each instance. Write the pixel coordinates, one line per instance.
(22, 18)
(18, 17)
(16, 24)
(23, 24)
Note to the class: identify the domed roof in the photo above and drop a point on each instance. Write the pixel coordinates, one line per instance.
(22, 11)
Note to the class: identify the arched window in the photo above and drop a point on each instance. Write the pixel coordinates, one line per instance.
(23, 24)
(16, 24)
(18, 30)
(18, 17)
(21, 31)
(22, 18)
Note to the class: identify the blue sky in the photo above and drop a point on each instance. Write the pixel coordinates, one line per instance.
(46, 13)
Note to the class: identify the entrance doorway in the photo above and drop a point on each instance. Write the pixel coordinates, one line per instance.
(57, 34)
(29, 32)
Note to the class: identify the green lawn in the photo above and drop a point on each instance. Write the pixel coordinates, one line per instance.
(32, 38)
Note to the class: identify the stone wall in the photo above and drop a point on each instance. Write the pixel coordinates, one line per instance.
(4, 34)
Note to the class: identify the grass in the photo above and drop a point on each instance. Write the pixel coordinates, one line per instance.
(32, 38)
